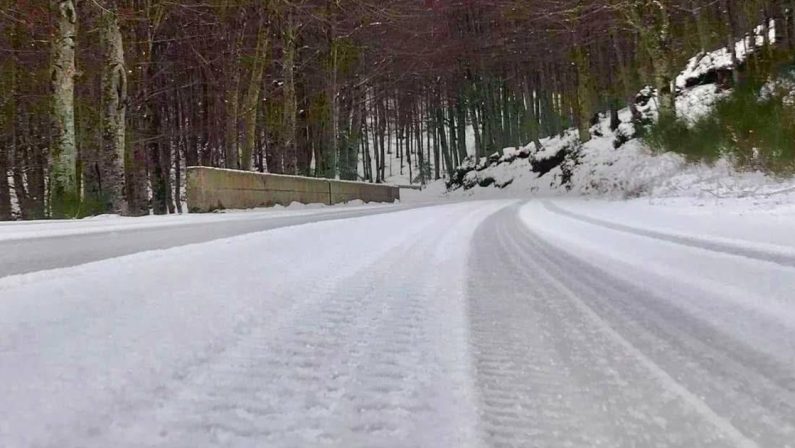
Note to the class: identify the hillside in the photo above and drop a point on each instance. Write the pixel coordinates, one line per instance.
(619, 163)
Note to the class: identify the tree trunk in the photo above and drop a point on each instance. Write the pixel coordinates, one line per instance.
(479, 150)
(409, 144)
(157, 176)
(418, 134)
(382, 117)
(329, 143)
(290, 118)
(114, 107)
(251, 100)
(461, 114)
(367, 161)
(232, 101)
(443, 141)
(8, 118)
(5, 191)
(64, 190)
(584, 96)
(730, 40)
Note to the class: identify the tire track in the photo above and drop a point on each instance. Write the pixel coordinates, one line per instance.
(358, 365)
(550, 374)
(781, 257)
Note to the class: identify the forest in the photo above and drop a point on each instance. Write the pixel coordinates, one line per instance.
(104, 103)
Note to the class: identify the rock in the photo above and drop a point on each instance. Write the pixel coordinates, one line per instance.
(545, 165)
(624, 133)
(504, 183)
(645, 96)
(524, 153)
(486, 181)
(470, 180)
(509, 155)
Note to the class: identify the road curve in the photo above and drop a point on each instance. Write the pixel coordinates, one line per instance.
(569, 354)
(481, 324)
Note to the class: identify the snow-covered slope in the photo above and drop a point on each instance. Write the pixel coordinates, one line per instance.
(619, 165)
(631, 170)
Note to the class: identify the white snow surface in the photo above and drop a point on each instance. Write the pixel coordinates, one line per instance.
(566, 322)
(317, 335)
(727, 220)
(631, 171)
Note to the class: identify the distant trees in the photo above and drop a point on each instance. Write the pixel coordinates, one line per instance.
(103, 103)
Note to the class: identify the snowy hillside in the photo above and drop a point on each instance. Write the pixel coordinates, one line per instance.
(603, 167)
(618, 164)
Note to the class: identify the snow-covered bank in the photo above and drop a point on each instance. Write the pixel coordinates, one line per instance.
(728, 219)
(619, 164)
(600, 169)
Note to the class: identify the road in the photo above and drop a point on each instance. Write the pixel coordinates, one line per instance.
(489, 323)
(64, 247)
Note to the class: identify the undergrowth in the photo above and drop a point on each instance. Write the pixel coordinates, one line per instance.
(754, 127)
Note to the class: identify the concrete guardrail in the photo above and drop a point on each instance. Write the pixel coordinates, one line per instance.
(211, 189)
(410, 187)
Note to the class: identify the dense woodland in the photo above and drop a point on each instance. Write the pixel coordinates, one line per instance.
(103, 103)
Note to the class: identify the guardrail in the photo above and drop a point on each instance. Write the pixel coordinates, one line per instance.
(210, 189)
(410, 187)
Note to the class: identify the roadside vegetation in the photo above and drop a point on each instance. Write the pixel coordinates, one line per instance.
(753, 126)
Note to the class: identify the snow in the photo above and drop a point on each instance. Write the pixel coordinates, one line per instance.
(631, 170)
(316, 335)
(605, 337)
(698, 102)
(602, 170)
(725, 220)
(19, 230)
(469, 324)
(716, 283)
(616, 165)
(721, 59)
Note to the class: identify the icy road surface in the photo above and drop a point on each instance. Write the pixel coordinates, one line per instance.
(492, 323)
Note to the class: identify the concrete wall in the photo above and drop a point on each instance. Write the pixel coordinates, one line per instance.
(211, 189)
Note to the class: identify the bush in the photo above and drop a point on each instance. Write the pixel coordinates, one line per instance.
(755, 131)
(703, 141)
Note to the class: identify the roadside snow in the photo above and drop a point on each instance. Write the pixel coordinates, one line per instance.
(714, 221)
(721, 285)
(16, 230)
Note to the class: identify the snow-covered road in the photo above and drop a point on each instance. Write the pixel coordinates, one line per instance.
(35, 246)
(490, 323)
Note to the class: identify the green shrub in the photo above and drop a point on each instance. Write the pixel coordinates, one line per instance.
(702, 141)
(755, 132)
